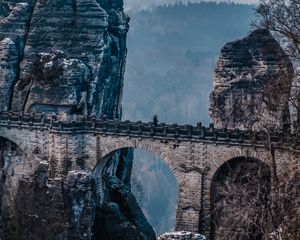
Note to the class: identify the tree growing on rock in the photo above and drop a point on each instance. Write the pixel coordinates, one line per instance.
(282, 19)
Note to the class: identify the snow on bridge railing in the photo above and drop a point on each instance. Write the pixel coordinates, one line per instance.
(75, 123)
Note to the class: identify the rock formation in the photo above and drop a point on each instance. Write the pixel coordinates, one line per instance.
(181, 236)
(65, 57)
(252, 83)
(252, 87)
(90, 33)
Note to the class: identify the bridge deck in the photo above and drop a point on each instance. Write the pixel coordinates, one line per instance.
(199, 133)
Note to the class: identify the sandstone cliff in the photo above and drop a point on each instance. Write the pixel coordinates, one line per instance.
(71, 54)
(65, 57)
(252, 83)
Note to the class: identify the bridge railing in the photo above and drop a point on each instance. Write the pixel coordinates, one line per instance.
(164, 131)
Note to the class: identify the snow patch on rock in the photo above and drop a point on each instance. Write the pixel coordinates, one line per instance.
(182, 235)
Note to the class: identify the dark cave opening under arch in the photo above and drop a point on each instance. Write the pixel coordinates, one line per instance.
(239, 198)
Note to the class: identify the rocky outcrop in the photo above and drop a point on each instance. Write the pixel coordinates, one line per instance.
(252, 83)
(8, 71)
(122, 221)
(65, 57)
(59, 85)
(181, 236)
(90, 32)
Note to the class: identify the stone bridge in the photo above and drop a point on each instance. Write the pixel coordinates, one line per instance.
(193, 153)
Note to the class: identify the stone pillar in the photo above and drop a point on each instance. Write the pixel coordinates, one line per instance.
(189, 202)
(206, 208)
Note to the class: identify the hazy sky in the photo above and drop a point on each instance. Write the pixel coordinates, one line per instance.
(144, 4)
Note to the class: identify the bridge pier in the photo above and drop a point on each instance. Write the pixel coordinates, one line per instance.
(206, 208)
(189, 203)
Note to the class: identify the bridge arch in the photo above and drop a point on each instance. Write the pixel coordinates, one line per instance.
(261, 155)
(239, 191)
(101, 167)
(27, 150)
(16, 168)
(152, 147)
(7, 135)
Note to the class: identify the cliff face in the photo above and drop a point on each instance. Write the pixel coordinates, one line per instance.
(65, 57)
(50, 40)
(252, 83)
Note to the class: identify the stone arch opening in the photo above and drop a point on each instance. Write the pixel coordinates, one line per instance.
(13, 160)
(13, 166)
(153, 184)
(239, 197)
(160, 190)
(8, 136)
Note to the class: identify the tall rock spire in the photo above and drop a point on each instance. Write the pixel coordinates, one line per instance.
(252, 84)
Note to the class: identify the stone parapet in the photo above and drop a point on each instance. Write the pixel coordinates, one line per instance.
(165, 132)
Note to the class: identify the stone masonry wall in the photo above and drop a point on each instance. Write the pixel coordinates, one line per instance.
(194, 163)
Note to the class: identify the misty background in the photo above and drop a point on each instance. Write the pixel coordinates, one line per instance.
(137, 5)
(172, 51)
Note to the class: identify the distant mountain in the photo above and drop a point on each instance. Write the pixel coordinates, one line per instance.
(172, 52)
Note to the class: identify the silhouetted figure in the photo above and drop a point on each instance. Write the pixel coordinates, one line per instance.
(155, 120)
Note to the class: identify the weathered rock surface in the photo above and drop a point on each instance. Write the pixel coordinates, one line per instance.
(58, 85)
(8, 71)
(88, 31)
(118, 220)
(65, 57)
(252, 84)
(181, 236)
